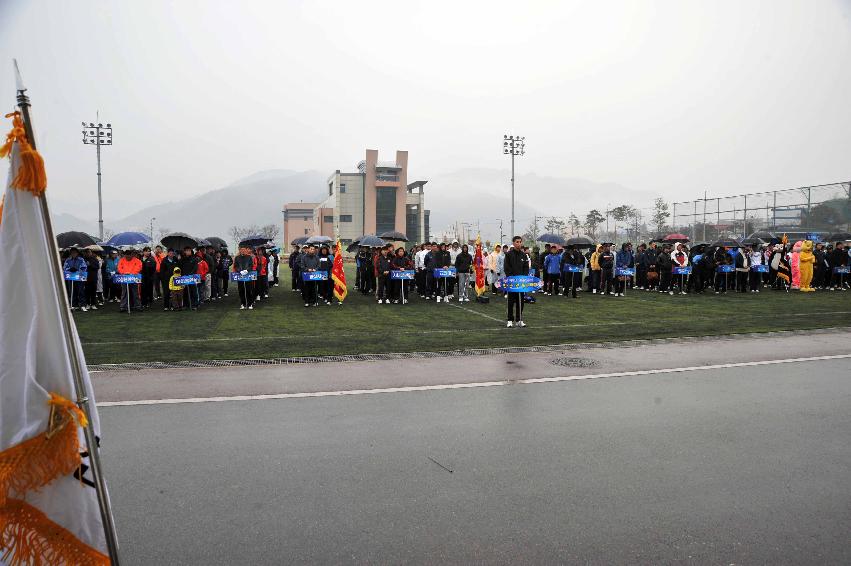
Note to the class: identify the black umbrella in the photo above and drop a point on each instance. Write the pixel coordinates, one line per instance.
(319, 240)
(217, 242)
(580, 242)
(698, 248)
(764, 235)
(179, 240)
(753, 241)
(254, 241)
(371, 241)
(300, 241)
(74, 239)
(838, 237)
(550, 238)
(203, 243)
(352, 247)
(107, 249)
(727, 243)
(393, 236)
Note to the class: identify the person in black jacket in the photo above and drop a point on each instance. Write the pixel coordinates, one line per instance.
(401, 289)
(295, 275)
(838, 258)
(188, 264)
(308, 263)
(442, 260)
(572, 279)
(664, 265)
(167, 265)
(149, 275)
(606, 259)
(326, 262)
(463, 267)
(91, 285)
(383, 266)
(516, 263)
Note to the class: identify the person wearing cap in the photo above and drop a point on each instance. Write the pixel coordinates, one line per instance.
(167, 266)
(130, 265)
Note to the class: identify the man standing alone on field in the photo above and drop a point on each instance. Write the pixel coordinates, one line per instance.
(516, 262)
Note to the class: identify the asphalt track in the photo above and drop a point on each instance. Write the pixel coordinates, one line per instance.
(639, 456)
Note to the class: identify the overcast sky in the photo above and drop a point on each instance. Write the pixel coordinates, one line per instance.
(675, 97)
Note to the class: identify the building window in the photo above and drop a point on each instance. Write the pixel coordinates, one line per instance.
(385, 209)
(387, 177)
(345, 218)
(305, 231)
(412, 222)
(342, 187)
(330, 189)
(328, 219)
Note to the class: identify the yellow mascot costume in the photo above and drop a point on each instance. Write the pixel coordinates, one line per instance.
(806, 261)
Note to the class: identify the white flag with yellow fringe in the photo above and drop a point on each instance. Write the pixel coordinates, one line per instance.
(49, 511)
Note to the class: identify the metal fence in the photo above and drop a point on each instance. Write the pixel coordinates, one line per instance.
(804, 209)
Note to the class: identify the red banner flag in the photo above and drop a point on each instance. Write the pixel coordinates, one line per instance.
(338, 274)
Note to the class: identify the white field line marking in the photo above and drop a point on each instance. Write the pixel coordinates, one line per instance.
(475, 312)
(433, 331)
(409, 389)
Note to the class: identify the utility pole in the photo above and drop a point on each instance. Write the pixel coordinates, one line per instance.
(98, 135)
(513, 145)
(501, 233)
(152, 229)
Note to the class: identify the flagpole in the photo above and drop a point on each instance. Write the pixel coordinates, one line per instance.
(67, 328)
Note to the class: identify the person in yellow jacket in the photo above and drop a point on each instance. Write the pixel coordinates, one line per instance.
(595, 269)
(176, 291)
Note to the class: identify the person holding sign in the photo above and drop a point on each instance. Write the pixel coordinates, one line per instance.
(175, 300)
(326, 262)
(400, 262)
(242, 264)
(188, 264)
(679, 259)
(130, 265)
(572, 265)
(623, 260)
(516, 262)
(75, 269)
(309, 263)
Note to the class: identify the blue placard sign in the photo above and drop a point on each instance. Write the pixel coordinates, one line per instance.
(845, 270)
(520, 284)
(402, 274)
(570, 268)
(76, 276)
(726, 268)
(682, 270)
(193, 279)
(127, 278)
(444, 272)
(314, 276)
(238, 276)
(814, 237)
(759, 268)
(625, 271)
(697, 258)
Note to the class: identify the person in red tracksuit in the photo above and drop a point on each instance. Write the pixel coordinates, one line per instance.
(262, 284)
(203, 270)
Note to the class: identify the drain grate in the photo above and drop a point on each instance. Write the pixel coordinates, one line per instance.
(569, 362)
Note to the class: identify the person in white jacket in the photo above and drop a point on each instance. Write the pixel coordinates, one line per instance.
(756, 258)
(679, 258)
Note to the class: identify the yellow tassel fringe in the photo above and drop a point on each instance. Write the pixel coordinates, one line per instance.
(31, 175)
(29, 537)
(36, 462)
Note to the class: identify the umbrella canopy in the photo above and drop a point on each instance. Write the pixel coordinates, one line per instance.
(753, 241)
(371, 241)
(254, 241)
(352, 247)
(838, 237)
(109, 249)
(319, 240)
(74, 239)
(300, 241)
(203, 242)
(763, 235)
(94, 248)
(550, 238)
(727, 243)
(580, 242)
(393, 236)
(179, 240)
(676, 237)
(699, 247)
(216, 242)
(129, 239)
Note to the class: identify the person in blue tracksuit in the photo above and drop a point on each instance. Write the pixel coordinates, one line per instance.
(552, 271)
(623, 259)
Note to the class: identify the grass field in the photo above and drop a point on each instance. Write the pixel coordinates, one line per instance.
(281, 326)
